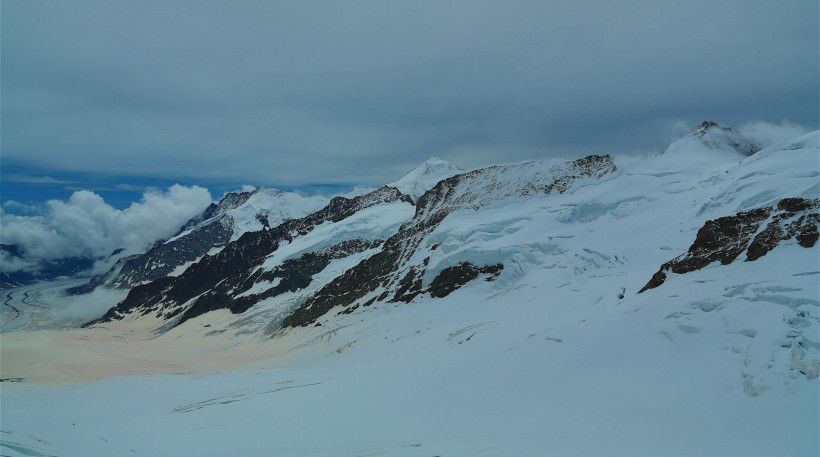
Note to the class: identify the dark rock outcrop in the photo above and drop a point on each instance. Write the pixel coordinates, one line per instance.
(209, 230)
(451, 278)
(232, 278)
(794, 218)
(162, 259)
(290, 276)
(230, 201)
(391, 271)
(725, 238)
(232, 267)
(740, 143)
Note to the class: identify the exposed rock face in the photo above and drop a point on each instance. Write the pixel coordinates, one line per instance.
(447, 281)
(220, 223)
(230, 201)
(795, 218)
(290, 276)
(351, 285)
(209, 230)
(725, 238)
(713, 135)
(234, 279)
(451, 278)
(391, 271)
(162, 259)
(229, 272)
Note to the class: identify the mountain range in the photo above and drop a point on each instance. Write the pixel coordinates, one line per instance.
(302, 260)
(666, 303)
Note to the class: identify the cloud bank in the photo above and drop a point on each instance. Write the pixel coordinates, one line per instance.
(767, 134)
(86, 226)
(294, 93)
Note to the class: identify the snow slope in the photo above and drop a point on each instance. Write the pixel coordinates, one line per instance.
(711, 139)
(422, 178)
(265, 206)
(236, 214)
(557, 355)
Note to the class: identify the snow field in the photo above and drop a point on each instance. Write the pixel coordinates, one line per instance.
(558, 356)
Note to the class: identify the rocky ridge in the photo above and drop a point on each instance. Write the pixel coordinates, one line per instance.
(725, 239)
(712, 136)
(234, 214)
(397, 271)
(230, 268)
(231, 278)
(400, 265)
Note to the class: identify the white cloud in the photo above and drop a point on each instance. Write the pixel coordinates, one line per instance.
(474, 81)
(767, 134)
(11, 264)
(44, 180)
(86, 225)
(14, 204)
(128, 187)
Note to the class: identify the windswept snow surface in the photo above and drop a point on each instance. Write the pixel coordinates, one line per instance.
(558, 356)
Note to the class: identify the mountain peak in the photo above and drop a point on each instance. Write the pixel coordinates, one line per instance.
(423, 177)
(705, 126)
(713, 140)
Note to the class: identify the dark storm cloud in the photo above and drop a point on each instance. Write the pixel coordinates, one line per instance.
(287, 93)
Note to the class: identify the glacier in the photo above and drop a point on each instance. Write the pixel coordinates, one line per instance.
(555, 354)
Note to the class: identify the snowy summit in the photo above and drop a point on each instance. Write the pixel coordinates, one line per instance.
(425, 176)
(715, 141)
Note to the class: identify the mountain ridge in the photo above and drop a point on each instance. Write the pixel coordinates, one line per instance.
(525, 286)
(402, 264)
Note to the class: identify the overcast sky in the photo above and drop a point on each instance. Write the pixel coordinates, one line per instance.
(114, 96)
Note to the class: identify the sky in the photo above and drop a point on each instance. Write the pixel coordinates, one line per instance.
(120, 98)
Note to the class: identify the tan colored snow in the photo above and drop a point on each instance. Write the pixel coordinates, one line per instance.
(131, 347)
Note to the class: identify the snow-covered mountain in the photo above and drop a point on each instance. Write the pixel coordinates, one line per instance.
(229, 278)
(236, 214)
(424, 177)
(715, 140)
(256, 267)
(506, 310)
(397, 243)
